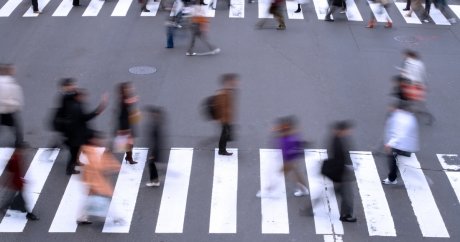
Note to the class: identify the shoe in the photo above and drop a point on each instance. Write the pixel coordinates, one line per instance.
(131, 162)
(31, 216)
(388, 182)
(406, 9)
(145, 10)
(389, 25)
(370, 25)
(408, 15)
(76, 5)
(74, 172)
(425, 20)
(216, 51)
(343, 11)
(225, 153)
(190, 53)
(281, 27)
(79, 163)
(84, 222)
(298, 10)
(300, 193)
(153, 184)
(38, 12)
(348, 218)
(328, 20)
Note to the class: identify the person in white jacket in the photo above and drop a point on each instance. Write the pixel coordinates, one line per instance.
(413, 68)
(401, 138)
(11, 101)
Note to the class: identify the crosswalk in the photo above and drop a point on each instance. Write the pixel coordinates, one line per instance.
(237, 9)
(223, 210)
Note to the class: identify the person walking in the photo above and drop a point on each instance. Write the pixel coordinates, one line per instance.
(128, 116)
(401, 138)
(156, 131)
(144, 5)
(334, 6)
(276, 8)
(35, 7)
(14, 196)
(11, 101)
(79, 130)
(383, 4)
(199, 28)
(339, 168)
(225, 107)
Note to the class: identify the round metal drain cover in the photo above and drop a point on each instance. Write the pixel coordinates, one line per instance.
(406, 39)
(142, 70)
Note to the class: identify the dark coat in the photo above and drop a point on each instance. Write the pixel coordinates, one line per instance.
(338, 165)
(79, 131)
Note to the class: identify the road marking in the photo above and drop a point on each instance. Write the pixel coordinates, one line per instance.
(224, 193)
(209, 12)
(93, 9)
(333, 238)
(63, 9)
(174, 199)
(321, 7)
(291, 7)
(72, 202)
(380, 13)
(263, 6)
(125, 194)
(452, 172)
(41, 4)
(378, 215)
(122, 7)
(352, 11)
(236, 9)
(5, 155)
(437, 17)
(9, 7)
(153, 7)
(422, 200)
(35, 178)
(323, 199)
(273, 193)
(455, 9)
(410, 20)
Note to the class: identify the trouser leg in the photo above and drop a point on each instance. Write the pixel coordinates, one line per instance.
(223, 138)
(35, 5)
(74, 151)
(153, 170)
(345, 191)
(392, 165)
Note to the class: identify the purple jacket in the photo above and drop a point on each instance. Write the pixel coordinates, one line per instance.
(290, 146)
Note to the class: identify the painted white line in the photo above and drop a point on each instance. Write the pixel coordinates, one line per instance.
(353, 12)
(9, 7)
(122, 7)
(437, 17)
(410, 20)
(41, 5)
(422, 200)
(93, 9)
(5, 155)
(209, 12)
(236, 9)
(273, 193)
(35, 178)
(453, 176)
(455, 9)
(333, 238)
(263, 6)
(72, 203)
(125, 194)
(174, 199)
(321, 7)
(379, 12)
(153, 7)
(323, 199)
(63, 9)
(291, 7)
(224, 193)
(378, 215)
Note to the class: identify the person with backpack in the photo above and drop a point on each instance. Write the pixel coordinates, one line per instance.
(225, 110)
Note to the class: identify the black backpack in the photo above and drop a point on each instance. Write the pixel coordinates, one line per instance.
(210, 108)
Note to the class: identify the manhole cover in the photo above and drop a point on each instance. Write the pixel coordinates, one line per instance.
(142, 70)
(406, 39)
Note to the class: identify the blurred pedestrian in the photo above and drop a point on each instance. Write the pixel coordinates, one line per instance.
(13, 195)
(35, 7)
(407, 8)
(95, 176)
(144, 5)
(156, 134)
(442, 6)
(334, 6)
(225, 107)
(76, 3)
(415, 5)
(401, 138)
(276, 8)
(128, 117)
(11, 101)
(199, 28)
(292, 147)
(79, 130)
(382, 5)
(339, 168)
(171, 26)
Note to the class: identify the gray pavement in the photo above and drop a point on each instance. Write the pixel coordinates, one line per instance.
(317, 70)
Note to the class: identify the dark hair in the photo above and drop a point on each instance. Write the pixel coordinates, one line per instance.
(121, 89)
(343, 125)
(5, 67)
(67, 81)
(411, 53)
(228, 77)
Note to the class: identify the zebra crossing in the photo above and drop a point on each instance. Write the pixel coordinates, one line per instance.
(237, 9)
(224, 196)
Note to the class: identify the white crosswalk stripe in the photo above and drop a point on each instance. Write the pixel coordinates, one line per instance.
(353, 12)
(153, 7)
(122, 7)
(93, 9)
(437, 17)
(380, 13)
(236, 9)
(413, 19)
(64, 8)
(9, 7)
(321, 7)
(224, 196)
(41, 5)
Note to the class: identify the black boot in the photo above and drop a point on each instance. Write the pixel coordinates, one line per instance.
(298, 9)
